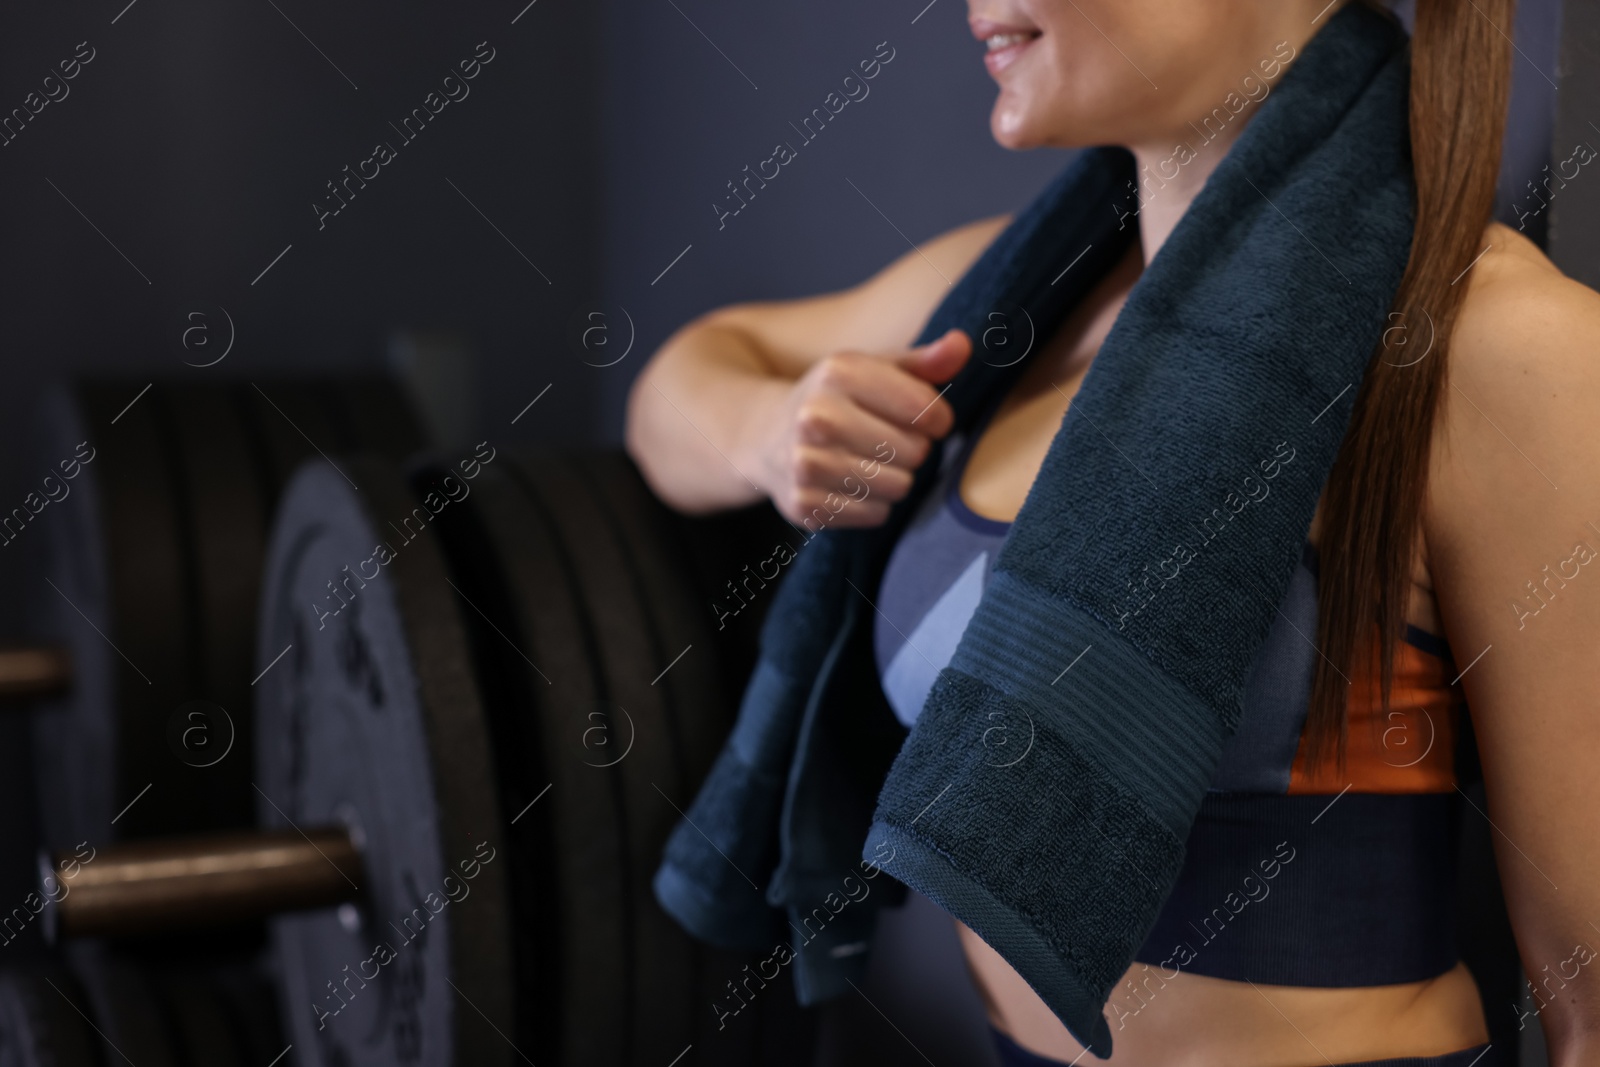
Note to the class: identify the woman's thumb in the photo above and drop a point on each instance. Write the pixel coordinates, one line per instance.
(939, 359)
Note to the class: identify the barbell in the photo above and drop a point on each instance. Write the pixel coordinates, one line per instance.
(149, 569)
(468, 752)
(508, 714)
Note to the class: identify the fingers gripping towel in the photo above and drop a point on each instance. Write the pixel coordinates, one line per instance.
(1110, 649)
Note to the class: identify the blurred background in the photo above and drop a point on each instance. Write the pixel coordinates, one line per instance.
(183, 199)
(181, 175)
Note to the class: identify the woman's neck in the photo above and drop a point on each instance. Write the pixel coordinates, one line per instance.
(1171, 175)
(1173, 169)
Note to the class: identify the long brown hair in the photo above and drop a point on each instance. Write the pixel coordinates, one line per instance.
(1460, 84)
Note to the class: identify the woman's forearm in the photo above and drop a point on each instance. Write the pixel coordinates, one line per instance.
(695, 418)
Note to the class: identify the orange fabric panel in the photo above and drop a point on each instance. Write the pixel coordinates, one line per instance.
(1409, 749)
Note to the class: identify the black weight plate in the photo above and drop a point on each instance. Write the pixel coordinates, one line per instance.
(380, 418)
(700, 707)
(506, 682)
(227, 520)
(141, 534)
(717, 548)
(296, 421)
(44, 1021)
(160, 547)
(74, 735)
(697, 702)
(252, 1004)
(204, 1033)
(229, 512)
(373, 720)
(291, 420)
(703, 705)
(132, 1022)
(642, 750)
(585, 984)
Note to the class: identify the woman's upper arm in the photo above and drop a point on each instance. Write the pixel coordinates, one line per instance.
(1512, 524)
(882, 313)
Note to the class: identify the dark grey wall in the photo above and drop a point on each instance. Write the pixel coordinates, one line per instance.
(199, 138)
(1527, 143)
(1574, 209)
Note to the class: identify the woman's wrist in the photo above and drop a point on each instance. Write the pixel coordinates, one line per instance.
(757, 452)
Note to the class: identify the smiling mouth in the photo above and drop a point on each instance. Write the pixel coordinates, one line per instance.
(1003, 49)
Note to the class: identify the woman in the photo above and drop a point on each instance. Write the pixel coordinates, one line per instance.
(1441, 518)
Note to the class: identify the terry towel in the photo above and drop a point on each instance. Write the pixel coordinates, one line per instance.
(1045, 792)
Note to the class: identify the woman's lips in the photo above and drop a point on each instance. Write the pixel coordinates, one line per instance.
(1005, 42)
(1004, 50)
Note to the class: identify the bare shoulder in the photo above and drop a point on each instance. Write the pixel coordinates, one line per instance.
(892, 304)
(1517, 426)
(1524, 327)
(957, 249)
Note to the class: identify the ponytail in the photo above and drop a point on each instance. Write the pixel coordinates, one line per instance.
(1460, 85)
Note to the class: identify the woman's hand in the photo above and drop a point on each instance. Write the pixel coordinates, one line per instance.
(856, 425)
(785, 399)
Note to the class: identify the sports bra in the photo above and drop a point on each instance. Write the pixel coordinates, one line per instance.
(1297, 872)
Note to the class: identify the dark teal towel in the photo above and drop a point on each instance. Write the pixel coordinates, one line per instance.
(1047, 807)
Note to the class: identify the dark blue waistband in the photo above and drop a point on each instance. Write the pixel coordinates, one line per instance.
(1311, 890)
(1014, 1055)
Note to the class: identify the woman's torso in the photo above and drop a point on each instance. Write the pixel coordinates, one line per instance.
(1189, 1017)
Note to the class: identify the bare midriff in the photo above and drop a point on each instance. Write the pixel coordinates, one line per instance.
(1183, 1018)
(1190, 1020)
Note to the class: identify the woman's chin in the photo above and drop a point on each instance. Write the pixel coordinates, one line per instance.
(1017, 127)
(1010, 127)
